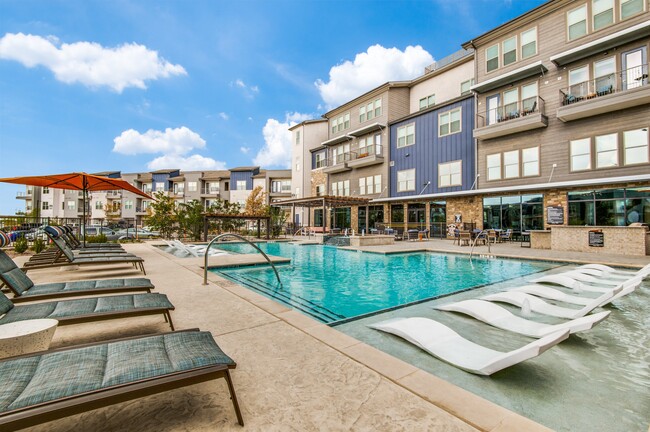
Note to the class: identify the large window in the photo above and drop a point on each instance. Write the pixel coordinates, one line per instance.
(635, 143)
(609, 207)
(631, 7)
(516, 212)
(341, 188)
(192, 186)
(577, 22)
(397, 213)
(509, 51)
(607, 151)
(602, 13)
(340, 123)
(492, 58)
(369, 111)
(494, 166)
(318, 217)
(241, 185)
(529, 43)
(281, 186)
(416, 216)
(406, 180)
(449, 174)
(580, 154)
(406, 135)
(370, 185)
(449, 122)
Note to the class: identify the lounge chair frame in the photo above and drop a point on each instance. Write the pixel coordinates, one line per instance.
(76, 404)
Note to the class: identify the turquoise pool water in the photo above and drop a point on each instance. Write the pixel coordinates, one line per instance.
(332, 284)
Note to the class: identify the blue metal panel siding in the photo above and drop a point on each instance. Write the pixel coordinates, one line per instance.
(429, 150)
(239, 176)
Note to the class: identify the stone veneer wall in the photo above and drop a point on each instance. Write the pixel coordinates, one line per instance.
(470, 208)
(318, 177)
(618, 240)
(556, 198)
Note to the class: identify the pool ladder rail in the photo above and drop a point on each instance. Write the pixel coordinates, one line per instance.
(478, 236)
(224, 235)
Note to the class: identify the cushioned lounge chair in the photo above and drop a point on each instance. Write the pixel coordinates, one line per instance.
(88, 309)
(499, 317)
(537, 305)
(24, 289)
(57, 236)
(66, 257)
(49, 385)
(447, 345)
(74, 242)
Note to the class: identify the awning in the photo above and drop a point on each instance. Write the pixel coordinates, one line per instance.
(367, 129)
(524, 72)
(318, 201)
(337, 140)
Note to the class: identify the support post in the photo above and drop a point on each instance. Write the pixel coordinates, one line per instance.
(268, 228)
(205, 228)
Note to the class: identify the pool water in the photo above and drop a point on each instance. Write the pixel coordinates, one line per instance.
(332, 284)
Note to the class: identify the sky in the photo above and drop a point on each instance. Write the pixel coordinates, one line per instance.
(135, 86)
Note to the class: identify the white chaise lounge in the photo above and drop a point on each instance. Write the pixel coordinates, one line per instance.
(500, 317)
(554, 294)
(569, 281)
(447, 345)
(537, 305)
(611, 271)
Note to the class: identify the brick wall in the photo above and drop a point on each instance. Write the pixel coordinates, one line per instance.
(470, 208)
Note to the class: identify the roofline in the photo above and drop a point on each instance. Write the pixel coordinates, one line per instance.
(383, 87)
(442, 70)
(433, 108)
(505, 27)
(306, 122)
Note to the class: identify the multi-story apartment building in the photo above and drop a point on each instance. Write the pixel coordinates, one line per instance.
(563, 116)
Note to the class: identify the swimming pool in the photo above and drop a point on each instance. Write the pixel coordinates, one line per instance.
(334, 285)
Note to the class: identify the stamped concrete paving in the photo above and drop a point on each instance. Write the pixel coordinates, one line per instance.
(293, 373)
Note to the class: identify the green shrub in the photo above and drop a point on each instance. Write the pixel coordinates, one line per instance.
(38, 246)
(20, 245)
(101, 238)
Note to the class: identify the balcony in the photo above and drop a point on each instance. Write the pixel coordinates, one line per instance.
(339, 163)
(605, 94)
(213, 191)
(140, 211)
(367, 156)
(24, 195)
(111, 195)
(519, 116)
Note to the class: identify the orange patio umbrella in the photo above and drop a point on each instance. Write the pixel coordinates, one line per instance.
(77, 181)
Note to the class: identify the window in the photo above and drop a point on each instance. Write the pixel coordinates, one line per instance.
(320, 190)
(378, 108)
(346, 121)
(510, 102)
(577, 22)
(529, 43)
(98, 205)
(511, 164)
(297, 194)
(449, 122)
(529, 97)
(465, 87)
(341, 153)
(603, 13)
(362, 114)
(517, 212)
(297, 137)
(609, 207)
(635, 143)
(146, 188)
(334, 125)
(378, 184)
(297, 166)
(179, 188)
(406, 180)
(631, 7)
(71, 205)
(241, 185)
(46, 190)
(428, 101)
(578, 79)
(607, 151)
(281, 186)
(226, 186)
(580, 154)
(494, 166)
(346, 188)
(160, 186)
(320, 160)
(362, 186)
(367, 112)
(46, 205)
(604, 74)
(530, 161)
(492, 58)
(449, 174)
(406, 135)
(510, 51)
(128, 205)
(192, 186)
(397, 213)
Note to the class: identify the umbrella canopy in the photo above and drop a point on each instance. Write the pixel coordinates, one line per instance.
(77, 181)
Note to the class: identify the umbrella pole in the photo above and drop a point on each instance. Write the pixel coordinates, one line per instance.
(83, 222)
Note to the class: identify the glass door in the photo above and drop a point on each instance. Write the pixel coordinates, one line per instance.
(492, 109)
(635, 69)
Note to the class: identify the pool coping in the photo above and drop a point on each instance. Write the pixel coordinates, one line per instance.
(468, 407)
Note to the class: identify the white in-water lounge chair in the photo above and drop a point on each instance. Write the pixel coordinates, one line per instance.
(537, 305)
(557, 295)
(499, 317)
(580, 281)
(611, 271)
(447, 345)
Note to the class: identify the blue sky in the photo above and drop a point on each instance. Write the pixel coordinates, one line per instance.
(138, 85)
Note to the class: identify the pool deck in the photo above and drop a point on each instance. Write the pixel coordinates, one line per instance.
(293, 373)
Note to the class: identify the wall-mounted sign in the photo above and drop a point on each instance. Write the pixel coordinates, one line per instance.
(596, 238)
(458, 218)
(555, 215)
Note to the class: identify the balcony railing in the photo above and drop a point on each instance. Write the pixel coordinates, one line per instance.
(511, 111)
(369, 150)
(210, 191)
(321, 163)
(605, 85)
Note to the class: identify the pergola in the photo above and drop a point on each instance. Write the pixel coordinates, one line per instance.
(244, 217)
(324, 202)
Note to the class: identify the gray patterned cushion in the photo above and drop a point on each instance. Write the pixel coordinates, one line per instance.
(17, 280)
(89, 285)
(5, 304)
(6, 263)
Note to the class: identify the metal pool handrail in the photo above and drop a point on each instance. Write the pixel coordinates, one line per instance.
(476, 239)
(220, 236)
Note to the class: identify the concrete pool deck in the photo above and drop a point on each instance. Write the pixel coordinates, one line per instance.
(293, 372)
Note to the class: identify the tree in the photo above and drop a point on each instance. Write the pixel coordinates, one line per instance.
(278, 219)
(162, 216)
(223, 207)
(256, 203)
(190, 218)
(112, 210)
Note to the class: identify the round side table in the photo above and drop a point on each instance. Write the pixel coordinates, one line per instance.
(23, 337)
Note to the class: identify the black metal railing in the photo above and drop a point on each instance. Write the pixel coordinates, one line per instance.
(511, 111)
(369, 150)
(210, 190)
(605, 85)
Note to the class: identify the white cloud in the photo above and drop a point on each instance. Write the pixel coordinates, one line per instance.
(172, 141)
(224, 116)
(89, 63)
(190, 163)
(244, 150)
(173, 144)
(370, 69)
(248, 90)
(277, 141)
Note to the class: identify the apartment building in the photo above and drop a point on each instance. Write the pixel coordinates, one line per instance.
(563, 116)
